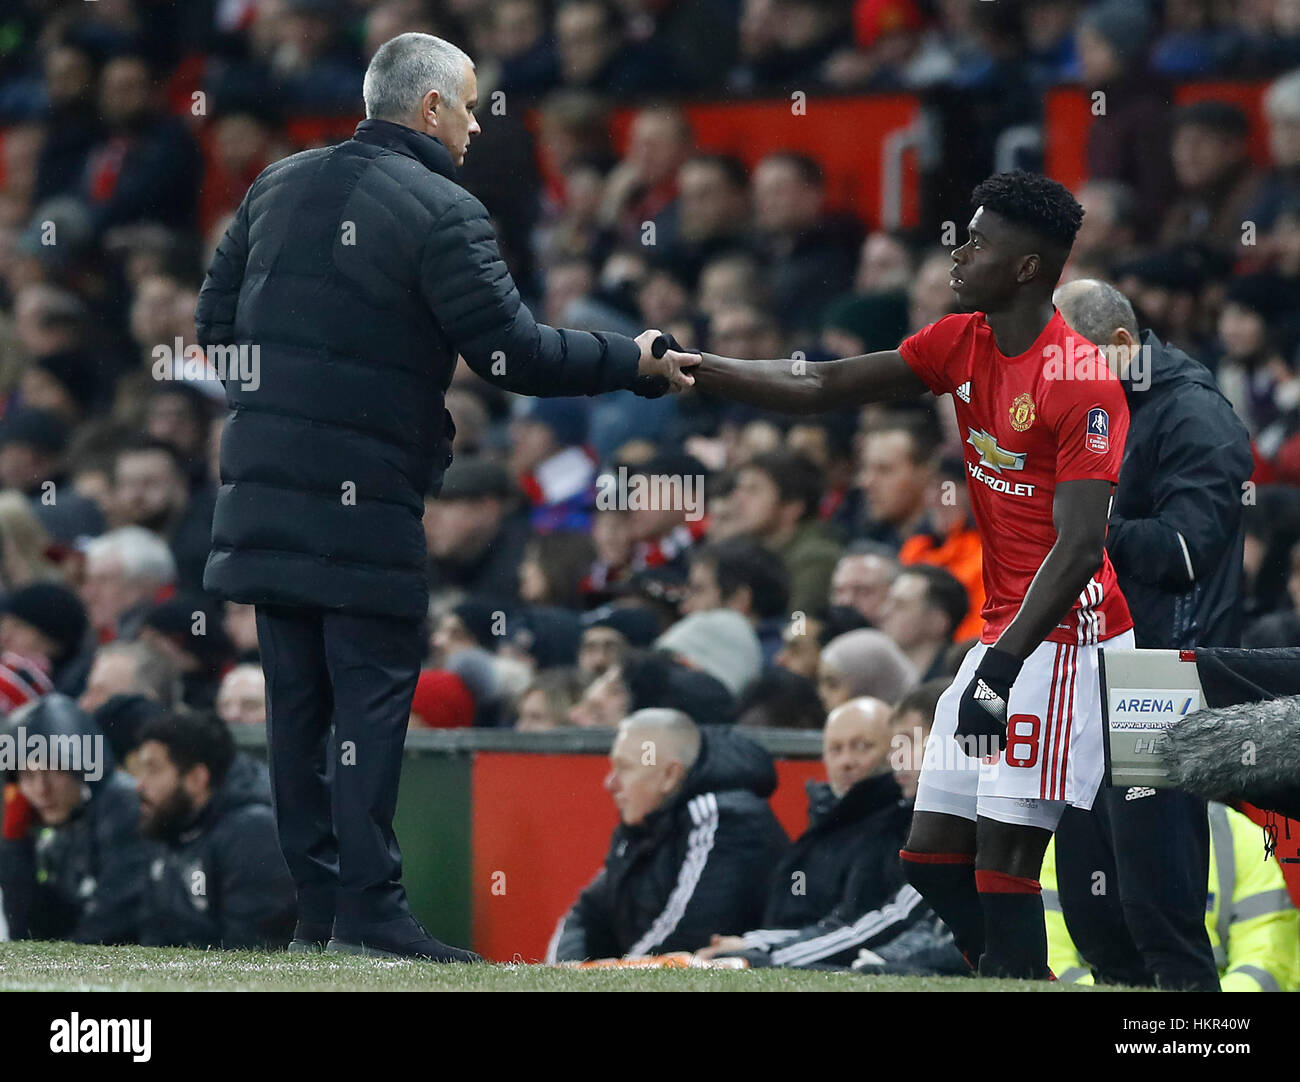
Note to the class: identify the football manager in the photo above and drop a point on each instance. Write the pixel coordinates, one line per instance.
(351, 277)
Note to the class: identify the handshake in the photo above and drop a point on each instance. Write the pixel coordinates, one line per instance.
(664, 365)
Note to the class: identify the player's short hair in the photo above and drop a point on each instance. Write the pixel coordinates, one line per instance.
(943, 591)
(1096, 309)
(1033, 202)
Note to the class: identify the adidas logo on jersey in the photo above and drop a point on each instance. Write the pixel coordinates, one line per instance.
(1138, 792)
(963, 392)
(983, 691)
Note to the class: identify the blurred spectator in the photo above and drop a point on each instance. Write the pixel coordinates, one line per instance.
(785, 43)
(441, 701)
(244, 141)
(25, 549)
(609, 633)
(1253, 372)
(949, 539)
(808, 252)
(864, 662)
(187, 629)
(83, 882)
(780, 699)
(217, 879)
(862, 581)
(720, 642)
(644, 183)
(595, 51)
(131, 668)
(775, 501)
(32, 443)
(1281, 628)
(930, 299)
(71, 121)
(693, 848)
(1108, 231)
(1280, 186)
(551, 465)
(897, 465)
(709, 217)
(553, 568)
(241, 697)
(895, 49)
(651, 679)
(1128, 141)
(1217, 184)
(543, 637)
(476, 537)
(742, 575)
(46, 623)
(545, 703)
(885, 264)
(127, 570)
(925, 607)
(911, 722)
(148, 164)
(151, 489)
(239, 622)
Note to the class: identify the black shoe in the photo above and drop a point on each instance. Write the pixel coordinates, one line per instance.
(309, 938)
(405, 938)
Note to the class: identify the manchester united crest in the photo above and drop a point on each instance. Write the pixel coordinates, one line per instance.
(1022, 412)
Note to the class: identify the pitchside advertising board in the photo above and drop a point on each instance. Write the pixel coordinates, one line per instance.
(1143, 693)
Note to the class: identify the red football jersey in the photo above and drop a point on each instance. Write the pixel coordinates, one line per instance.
(1053, 413)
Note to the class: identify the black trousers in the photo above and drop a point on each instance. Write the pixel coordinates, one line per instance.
(338, 698)
(1133, 876)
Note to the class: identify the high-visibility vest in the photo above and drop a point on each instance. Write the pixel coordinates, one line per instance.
(1254, 927)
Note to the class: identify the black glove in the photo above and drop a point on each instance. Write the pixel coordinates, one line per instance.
(982, 711)
(657, 386)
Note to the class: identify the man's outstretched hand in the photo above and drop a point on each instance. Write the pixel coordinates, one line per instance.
(664, 365)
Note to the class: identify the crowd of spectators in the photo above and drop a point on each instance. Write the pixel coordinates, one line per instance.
(798, 564)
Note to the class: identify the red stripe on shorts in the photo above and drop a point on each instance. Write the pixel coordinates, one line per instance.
(1065, 759)
(1045, 748)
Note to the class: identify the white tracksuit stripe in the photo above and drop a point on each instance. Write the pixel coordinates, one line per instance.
(704, 811)
(866, 927)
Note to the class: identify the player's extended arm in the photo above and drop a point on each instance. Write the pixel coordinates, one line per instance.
(1079, 513)
(799, 386)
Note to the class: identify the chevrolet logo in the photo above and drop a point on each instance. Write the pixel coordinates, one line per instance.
(993, 456)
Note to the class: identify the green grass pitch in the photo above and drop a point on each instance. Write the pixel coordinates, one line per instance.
(28, 966)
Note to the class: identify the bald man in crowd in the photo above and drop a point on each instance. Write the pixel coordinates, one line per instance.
(840, 888)
(695, 842)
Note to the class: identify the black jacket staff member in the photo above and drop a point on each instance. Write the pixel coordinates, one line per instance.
(358, 273)
(1176, 542)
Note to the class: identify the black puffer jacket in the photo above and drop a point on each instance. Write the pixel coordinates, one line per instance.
(1175, 529)
(79, 880)
(696, 866)
(359, 272)
(221, 881)
(840, 887)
